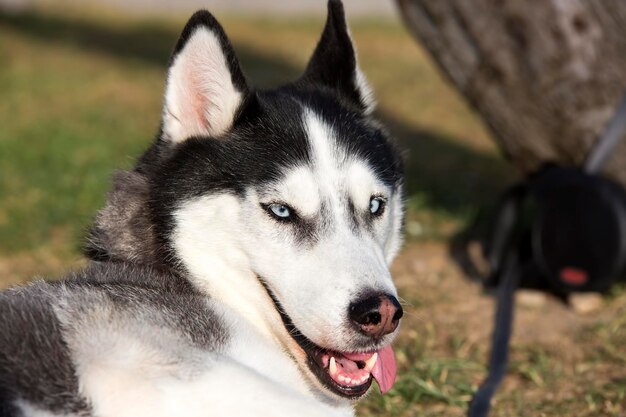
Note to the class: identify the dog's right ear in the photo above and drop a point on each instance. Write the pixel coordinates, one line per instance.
(205, 85)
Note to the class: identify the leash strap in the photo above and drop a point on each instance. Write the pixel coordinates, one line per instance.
(501, 335)
(504, 228)
(602, 150)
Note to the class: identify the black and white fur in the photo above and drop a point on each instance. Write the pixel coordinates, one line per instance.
(199, 296)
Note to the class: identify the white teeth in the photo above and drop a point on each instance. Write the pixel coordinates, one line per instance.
(359, 381)
(358, 378)
(369, 364)
(332, 366)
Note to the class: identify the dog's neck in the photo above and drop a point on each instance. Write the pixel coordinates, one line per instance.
(242, 296)
(242, 293)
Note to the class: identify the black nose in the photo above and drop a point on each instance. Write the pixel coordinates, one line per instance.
(377, 315)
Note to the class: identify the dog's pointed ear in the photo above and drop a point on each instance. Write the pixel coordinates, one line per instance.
(334, 62)
(205, 85)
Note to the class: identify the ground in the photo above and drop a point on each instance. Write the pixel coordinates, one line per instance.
(81, 93)
(564, 363)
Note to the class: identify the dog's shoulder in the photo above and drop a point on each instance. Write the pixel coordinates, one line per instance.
(137, 301)
(32, 346)
(105, 314)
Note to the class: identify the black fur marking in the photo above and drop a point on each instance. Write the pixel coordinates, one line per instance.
(6, 405)
(305, 229)
(363, 219)
(333, 65)
(360, 136)
(353, 215)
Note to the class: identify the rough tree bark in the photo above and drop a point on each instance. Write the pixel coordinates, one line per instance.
(545, 75)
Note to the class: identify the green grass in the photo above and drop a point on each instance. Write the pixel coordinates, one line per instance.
(68, 117)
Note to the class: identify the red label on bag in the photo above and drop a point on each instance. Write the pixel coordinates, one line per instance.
(574, 276)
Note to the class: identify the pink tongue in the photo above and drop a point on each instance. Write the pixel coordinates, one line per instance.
(384, 371)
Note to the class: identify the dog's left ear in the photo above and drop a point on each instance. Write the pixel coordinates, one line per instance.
(334, 63)
(205, 85)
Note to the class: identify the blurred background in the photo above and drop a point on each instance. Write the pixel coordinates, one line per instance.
(81, 87)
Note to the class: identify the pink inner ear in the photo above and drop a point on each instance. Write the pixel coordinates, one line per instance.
(200, 95)
(195, 109)
(199, 107)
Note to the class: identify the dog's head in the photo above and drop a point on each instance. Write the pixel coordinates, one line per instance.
(286, 205)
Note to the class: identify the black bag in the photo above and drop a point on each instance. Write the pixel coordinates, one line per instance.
(569, 228)
(563, 230)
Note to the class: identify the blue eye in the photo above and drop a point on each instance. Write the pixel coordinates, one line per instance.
(279, 210)
(377, 205)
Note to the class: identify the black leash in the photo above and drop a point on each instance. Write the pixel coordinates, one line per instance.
(501, 335)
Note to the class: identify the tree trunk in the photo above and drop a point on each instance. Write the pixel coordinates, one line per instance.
(545, 75)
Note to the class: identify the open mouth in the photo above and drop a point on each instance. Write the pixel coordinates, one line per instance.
(351, 374)
(347, 374)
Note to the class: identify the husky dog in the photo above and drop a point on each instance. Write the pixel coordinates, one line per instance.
(240, 269)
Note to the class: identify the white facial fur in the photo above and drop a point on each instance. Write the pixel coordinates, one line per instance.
(226, 241)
